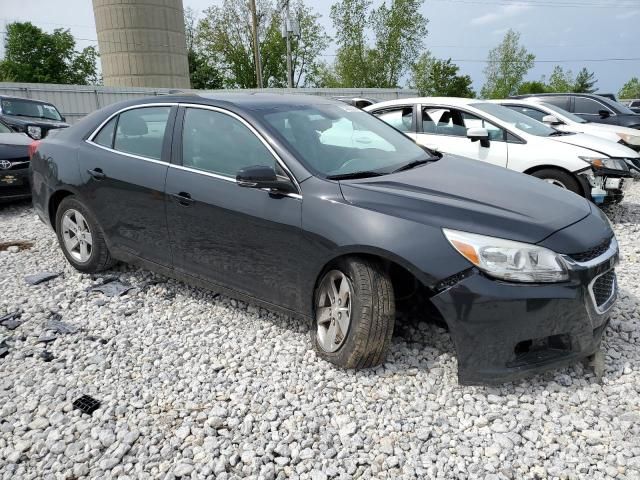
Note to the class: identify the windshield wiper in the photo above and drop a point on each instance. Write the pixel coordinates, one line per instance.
(362, 174)
(23, 115)
(558, 133)
(414, 164)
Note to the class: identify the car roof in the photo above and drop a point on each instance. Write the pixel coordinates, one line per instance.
(13, 97)
(453, 101)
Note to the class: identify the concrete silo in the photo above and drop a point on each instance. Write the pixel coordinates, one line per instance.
(142, 43)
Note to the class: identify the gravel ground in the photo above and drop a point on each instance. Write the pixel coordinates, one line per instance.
(194, 385)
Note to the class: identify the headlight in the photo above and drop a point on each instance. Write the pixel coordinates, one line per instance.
(603, 162)
(509, 260)
(629, 139)
(34, 132)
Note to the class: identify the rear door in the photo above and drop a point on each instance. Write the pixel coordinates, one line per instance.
(124, 167)
(241, 238)
(446, 128)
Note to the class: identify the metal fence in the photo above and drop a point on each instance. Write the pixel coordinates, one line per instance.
(76, 101)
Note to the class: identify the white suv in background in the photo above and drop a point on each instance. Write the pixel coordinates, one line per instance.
(587, 165)
(564, 121)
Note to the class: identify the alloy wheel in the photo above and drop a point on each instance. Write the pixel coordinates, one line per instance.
(333, 310)
(76, 235)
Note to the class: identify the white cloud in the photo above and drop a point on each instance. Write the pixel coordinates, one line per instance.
(506, 12)
(627, 15)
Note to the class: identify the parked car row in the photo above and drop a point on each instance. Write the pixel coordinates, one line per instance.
(592, 167)
(319, 209)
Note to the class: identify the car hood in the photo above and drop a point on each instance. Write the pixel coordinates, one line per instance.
(15, 138)
(471, 196)
(612, 129)
(598, 145)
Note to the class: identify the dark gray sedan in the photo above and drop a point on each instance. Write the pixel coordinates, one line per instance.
(318, 209)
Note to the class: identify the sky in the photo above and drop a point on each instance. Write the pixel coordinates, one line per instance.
(570, 33)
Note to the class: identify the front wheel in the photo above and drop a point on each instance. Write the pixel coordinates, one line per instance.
(354, 314)
(81, 238)
(560, 179)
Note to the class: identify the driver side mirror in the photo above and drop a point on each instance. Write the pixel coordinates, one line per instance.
(551, 120)
(482, 134)
(604, 113)
(260, 176)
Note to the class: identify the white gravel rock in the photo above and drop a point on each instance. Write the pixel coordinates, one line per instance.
(196, 385)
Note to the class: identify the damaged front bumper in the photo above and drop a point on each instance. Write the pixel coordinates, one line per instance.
(605, 187)
(505, 331)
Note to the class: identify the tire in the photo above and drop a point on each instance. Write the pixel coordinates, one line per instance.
(371, 310)
(559, 178)
(95, 257)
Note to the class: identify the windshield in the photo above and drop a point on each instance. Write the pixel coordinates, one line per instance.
(616, 106)
(338, 140)
(27, 108)
(564, 113)
(4, 128)
(516, 120)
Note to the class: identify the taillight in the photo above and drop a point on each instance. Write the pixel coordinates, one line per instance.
(33, 146)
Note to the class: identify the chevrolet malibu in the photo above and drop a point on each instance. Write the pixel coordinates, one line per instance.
(258, 197)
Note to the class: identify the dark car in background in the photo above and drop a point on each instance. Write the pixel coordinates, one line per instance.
(359, 102)
(14, 164)
(634, 105)
(33, 117)
(591, 107)
(257, 196)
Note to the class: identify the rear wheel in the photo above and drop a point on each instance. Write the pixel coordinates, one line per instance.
(81, 238)
(560, 179)
(354, 310)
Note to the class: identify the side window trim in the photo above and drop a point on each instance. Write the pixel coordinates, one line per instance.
(177, 145)
(166, 138)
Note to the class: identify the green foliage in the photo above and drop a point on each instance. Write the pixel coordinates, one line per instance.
(560, 81)
(32, 55)
(585, 82)
(532, 87)
(508, 63)
(398, 33)
(224, 37)
(203, 70)
(439, 78)
(631, 89)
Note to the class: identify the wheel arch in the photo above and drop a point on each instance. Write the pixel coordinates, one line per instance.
(537, 168)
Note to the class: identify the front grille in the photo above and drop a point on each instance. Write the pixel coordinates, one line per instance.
(603, 288)
(592, 253)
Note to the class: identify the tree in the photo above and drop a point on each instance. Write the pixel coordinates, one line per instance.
(203, 68)
(398, 32)
(225, 34)
(560, 81)
(532, 88)
(439, 78)
(631, 89)
(584, 82)
(507, 65)
(32, 55)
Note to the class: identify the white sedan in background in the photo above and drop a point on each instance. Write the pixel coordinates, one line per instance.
(482, 130)
(564, 121)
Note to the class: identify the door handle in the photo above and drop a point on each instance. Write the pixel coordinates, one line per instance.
(97, 173)
(183, 198)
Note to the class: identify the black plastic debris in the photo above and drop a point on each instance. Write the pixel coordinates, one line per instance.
(4, 349)
(39, 278)
(114, 288)
(46, 356)
(86, 404)
(11, 320)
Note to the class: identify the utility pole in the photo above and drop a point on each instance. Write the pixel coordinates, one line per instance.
(288, 29)
(256, 45)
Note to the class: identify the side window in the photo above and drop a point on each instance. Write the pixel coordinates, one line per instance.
(105, 135)
(400, 118)
(4, 128)
(443, 121)
(141, 131)
(496, 134)
(558, 100)
(220, 144)
(529, 112)
(588, 106)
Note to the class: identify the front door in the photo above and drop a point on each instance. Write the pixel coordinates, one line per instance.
(242, 238)
(445, 129)
(124, 167)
